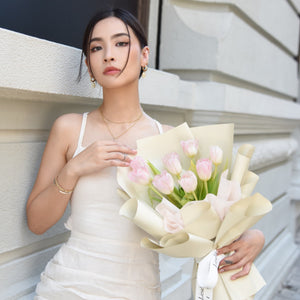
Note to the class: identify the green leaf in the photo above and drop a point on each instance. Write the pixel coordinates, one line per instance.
(199, 189)
(188, 197)
(153, 168)
(153, 196)
(173, 198)
(179, 191)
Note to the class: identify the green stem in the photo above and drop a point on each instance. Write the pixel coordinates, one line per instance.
(176, 197)
(206, 189)
(184, 202)
(194, 195)
(215, 172)
(193, 166)
(155, 190)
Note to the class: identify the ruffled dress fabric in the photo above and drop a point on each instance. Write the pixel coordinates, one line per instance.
(103, 258)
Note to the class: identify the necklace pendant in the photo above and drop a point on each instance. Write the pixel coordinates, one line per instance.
(115, 137)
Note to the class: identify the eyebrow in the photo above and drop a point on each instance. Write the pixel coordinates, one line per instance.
(98, 39)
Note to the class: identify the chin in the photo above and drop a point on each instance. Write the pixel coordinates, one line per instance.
(116, 83)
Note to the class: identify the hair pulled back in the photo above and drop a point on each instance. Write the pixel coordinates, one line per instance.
(126, 17)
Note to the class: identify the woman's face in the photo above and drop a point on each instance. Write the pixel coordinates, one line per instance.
(109, 49)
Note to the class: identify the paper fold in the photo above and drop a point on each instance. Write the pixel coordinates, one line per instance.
(203, 230)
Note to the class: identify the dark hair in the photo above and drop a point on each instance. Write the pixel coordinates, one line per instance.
(127, 18)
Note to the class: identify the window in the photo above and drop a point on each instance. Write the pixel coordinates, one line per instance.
(62, 21)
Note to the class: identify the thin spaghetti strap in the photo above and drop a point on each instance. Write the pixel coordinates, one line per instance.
(82, 130)
(81, 134)
(160, 129)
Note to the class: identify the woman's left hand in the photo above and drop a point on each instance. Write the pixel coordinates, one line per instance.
(245, 249)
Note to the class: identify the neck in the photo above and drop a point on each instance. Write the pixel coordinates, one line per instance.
(121, 105)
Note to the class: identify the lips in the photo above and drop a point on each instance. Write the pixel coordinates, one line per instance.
(111, 71)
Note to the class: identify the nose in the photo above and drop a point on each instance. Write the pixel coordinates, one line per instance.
(107, 59)
(108, 56)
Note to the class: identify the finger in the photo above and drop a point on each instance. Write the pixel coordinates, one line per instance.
(117, 155)
(225, 249)
(245, 271)
(117, 163)
(229, 248)
(226, 261)
(111, 146)
(234, 266)
(120, 148)
(232, 259)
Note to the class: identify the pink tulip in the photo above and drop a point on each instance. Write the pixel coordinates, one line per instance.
(172, 163)
(190, 147)
(204, 169)
(164, 182)
(138, 162)
(173, 222)
(171, 216)
(188, 181)
(216, 155)
(139, 172)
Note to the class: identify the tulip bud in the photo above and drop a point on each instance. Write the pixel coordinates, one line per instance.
(190, 147)
(164, 182)
(172, 163)
(139, 172)
(204, 169)
(188, 181)
(216, 155)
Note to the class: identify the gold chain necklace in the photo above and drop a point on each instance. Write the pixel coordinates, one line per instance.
(122, 133)
(120, 122)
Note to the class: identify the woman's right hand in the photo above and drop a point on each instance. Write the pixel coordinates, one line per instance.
(99, 155)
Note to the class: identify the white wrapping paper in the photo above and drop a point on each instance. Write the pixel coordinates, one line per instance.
(203, 231)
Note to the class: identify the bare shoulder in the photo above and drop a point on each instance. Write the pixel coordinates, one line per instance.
(67, 122)
(65, 130)
(166, 127)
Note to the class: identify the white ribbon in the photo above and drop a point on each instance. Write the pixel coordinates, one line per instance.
(207, 275)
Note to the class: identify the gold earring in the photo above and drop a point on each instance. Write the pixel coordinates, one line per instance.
(93, 80)
(144, 68)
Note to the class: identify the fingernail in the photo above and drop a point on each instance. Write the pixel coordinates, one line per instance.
(221, 270)
(228, 262)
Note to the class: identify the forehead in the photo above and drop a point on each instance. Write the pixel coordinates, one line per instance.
(110, 26)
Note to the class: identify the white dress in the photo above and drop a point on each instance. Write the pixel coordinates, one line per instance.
(102, 258)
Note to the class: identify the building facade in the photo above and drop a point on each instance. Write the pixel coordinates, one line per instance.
(211, 62)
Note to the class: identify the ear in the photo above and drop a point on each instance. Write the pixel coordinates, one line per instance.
(145, 56)
(86, 63)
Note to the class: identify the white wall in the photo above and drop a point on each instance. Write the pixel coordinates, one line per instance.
(236, 61)
(232, 61)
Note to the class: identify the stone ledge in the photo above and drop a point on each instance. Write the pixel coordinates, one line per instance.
(283, 32)
(270, 151)
(21, 79)
(161, 89)
(186, 30)
(41, 66)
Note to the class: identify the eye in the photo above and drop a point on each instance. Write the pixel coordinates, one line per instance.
(122, 44)
(96, 48)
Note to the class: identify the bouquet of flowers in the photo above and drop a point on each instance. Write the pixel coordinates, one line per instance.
(181, 190)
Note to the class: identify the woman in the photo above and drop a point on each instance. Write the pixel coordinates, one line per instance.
(102, 258)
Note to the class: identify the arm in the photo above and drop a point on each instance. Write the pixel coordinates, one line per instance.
(46, 205)
(246, 249)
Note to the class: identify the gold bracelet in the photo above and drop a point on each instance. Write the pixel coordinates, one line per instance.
(60, 188)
